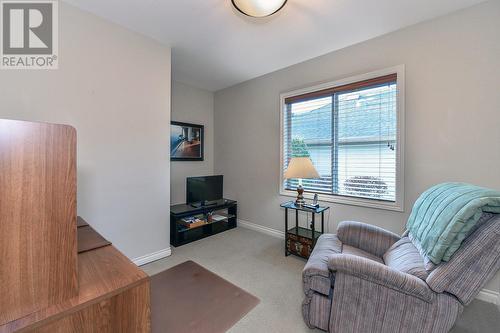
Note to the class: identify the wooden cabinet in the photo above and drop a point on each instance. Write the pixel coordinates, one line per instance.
(113, 297)
(37, 216)
(46, 285)
(125, 312)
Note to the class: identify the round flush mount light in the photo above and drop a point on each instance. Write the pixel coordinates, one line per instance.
(258, 8)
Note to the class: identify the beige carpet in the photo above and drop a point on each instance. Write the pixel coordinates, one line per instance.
(188, 298)
(256, 263)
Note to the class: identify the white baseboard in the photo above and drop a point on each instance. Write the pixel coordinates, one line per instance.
(146, 259)
(262, 229)
(489, 296)
(485, 295)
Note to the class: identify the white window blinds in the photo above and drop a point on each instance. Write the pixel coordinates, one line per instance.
(350, 134)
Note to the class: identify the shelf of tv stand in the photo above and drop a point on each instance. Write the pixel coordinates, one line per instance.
(180, 235)
(182, 228)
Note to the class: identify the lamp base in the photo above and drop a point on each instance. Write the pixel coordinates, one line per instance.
(300, 197)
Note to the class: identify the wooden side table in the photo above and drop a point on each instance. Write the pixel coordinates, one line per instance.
(300, 241)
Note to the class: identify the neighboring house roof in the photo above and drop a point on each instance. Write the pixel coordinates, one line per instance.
(367, 124)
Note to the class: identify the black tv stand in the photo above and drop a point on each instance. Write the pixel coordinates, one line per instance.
(224, 217)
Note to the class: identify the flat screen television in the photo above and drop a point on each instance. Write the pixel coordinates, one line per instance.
(204, 190)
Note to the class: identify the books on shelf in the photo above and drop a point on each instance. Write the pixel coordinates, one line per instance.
(193, 221)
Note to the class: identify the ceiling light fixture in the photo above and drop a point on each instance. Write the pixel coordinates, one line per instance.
(258, 8)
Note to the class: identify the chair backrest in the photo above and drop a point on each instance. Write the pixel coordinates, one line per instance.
(475, 262)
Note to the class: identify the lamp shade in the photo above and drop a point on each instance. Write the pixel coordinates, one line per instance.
(301, 167)
(258, 8)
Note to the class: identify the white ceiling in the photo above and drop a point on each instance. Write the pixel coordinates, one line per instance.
(214, 46)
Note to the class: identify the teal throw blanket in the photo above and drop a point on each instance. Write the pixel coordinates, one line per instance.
(444, 215)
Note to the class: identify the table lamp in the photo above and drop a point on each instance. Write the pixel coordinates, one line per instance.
(301, 168)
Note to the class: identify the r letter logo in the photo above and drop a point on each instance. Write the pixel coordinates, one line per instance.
(29, 34)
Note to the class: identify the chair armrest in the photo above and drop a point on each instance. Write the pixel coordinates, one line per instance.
(366, 237)
(380, 274)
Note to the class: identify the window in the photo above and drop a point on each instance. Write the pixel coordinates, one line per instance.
(351, 130)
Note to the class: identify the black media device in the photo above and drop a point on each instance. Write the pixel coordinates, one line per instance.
(204, 191)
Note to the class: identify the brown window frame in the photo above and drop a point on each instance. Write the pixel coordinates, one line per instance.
(346, 87)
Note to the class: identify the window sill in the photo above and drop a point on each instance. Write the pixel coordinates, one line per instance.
(367, 203)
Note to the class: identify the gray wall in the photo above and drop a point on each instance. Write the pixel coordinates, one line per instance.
(113, 86)
(192, 105)
(452, 115)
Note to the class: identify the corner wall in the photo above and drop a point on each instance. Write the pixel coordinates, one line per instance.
(196, 106)
(113, 86)
(452, 115)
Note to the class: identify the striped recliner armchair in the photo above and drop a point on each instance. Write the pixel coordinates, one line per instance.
(367, 279)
